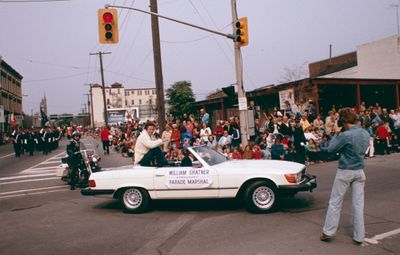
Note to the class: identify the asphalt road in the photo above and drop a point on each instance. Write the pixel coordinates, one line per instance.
(45, 217)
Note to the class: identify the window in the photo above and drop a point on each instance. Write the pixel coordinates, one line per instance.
(154, 92)
(139, 92)
(126, 102)
(108, 101)
(133, 102)
(146, 92)
(132, 92)
(140, 101)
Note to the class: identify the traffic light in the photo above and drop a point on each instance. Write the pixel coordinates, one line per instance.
(108, 26)
(241, 33)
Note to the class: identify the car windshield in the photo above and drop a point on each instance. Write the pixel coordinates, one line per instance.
(210, 156)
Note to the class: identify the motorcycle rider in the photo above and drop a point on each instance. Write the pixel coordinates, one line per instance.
(76, 161)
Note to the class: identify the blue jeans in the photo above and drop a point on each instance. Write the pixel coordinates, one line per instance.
(356, 180)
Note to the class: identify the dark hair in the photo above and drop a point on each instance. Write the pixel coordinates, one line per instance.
(148, 124)
(347, 115)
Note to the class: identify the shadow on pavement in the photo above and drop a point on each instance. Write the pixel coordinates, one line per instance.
(295, 204)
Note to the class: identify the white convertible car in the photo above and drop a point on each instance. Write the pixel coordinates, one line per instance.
(260, 183)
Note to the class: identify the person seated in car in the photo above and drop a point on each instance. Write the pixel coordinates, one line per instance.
(186, 161)
(147, 147)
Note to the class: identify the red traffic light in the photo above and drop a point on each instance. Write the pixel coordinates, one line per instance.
(107, 17)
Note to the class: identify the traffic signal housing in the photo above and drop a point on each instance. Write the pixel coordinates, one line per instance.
(241, 33)
(108, 26)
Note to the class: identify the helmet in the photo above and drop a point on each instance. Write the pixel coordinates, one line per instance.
(76, 135)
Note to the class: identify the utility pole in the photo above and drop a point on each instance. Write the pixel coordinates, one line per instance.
(397, 16)
(239, 80)
(88, 104)
(102, 83)
(158, 66)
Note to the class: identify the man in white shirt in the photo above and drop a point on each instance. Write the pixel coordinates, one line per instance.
(148, 148)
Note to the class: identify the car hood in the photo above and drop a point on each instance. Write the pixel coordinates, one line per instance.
(278, 166)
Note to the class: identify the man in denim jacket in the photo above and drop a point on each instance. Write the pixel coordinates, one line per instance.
(351, 145)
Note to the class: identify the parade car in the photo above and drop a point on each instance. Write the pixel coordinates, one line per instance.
(259, 183)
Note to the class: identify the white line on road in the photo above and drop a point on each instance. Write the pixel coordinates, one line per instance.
(375, 239)
(25, 176)
(40, 168)
(30, 180)
(30, 190)
(34, 193)
(8, 155)
(33, 172)
(46, 160)
(58, 162)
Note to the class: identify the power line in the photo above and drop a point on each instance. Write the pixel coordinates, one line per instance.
(32, 1)
(57, 78)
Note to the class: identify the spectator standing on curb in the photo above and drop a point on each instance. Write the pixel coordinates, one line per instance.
(204, 116)
(299, 142)
(351, 144)
(105, 139)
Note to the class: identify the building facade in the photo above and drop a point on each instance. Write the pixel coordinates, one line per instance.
(122, 104)
(10, 96)
(371, 75)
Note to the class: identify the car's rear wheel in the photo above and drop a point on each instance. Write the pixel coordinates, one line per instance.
(135, 200)
(261, 197)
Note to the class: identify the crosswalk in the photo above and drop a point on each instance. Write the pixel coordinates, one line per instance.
(38, 179)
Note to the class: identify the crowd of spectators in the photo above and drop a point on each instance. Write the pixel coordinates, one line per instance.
(295, 133)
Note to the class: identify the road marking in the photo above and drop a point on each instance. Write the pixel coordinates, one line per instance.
(24, 176)
(45, 160)
(30, 180)
(33, 172)
(8, 155)
(51, 162)
(34, 193)
(377, 238)
(39, 168)
(29, 190)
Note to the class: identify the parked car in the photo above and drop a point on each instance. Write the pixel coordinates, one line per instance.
(260, 183)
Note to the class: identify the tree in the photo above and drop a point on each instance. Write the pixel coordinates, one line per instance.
(181, 98)
(294, 73)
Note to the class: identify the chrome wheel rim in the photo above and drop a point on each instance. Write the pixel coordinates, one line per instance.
(133, 198)
(263, 197)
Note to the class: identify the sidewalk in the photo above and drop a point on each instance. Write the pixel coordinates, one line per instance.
(114, 159)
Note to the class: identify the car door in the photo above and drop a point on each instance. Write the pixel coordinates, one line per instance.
(197, 181)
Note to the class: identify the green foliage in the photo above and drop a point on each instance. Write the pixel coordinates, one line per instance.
(181, 98)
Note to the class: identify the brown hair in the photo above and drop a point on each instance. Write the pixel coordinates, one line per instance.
(148, 124)
(347, 115)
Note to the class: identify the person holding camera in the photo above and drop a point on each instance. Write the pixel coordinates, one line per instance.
(351, 144)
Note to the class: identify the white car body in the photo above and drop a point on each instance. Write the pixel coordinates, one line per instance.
(212, 176)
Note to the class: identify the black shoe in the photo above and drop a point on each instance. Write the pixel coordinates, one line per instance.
(72, 187)
(325, 238)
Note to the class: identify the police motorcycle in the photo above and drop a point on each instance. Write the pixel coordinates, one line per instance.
(89, 164)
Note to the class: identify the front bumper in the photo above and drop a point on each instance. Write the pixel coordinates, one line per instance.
(309, 183)
(94, 192)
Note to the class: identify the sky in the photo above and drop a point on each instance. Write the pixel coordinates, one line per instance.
(49, 43)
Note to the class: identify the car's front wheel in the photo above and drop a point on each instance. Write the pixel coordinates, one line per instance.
(260, 197)
(135, 200)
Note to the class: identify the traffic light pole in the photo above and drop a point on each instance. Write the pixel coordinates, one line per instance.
(239, 71)
(239, 80)
(102, 84)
